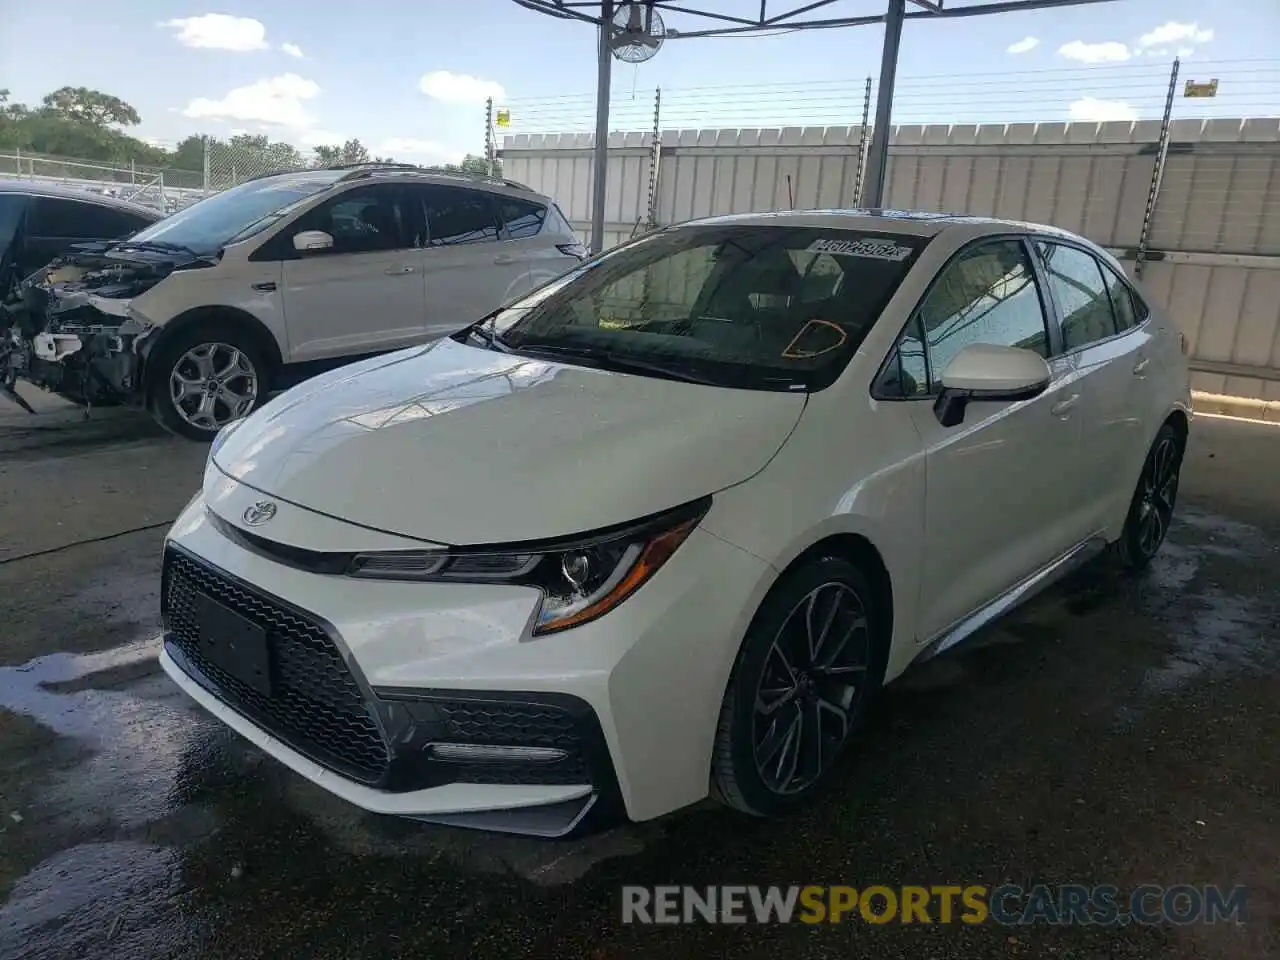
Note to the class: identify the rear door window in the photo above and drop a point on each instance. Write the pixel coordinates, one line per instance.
(457, 216)
(1076, 281)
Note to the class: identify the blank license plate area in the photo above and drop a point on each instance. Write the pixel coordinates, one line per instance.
(234, 644)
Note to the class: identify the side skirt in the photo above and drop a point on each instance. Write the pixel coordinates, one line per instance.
(1018, 594)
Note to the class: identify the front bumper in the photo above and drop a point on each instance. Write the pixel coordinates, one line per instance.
(392, 695)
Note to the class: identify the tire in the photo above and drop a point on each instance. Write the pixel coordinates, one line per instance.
(1152, 506)
(754, 750)
(201, 356)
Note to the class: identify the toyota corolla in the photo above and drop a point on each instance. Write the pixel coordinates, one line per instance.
(664, 527)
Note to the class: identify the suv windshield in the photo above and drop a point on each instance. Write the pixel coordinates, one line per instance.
(758, 307)
(233, 214)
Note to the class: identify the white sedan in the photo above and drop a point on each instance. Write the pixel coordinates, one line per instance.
(664, 527)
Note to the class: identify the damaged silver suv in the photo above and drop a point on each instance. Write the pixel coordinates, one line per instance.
(204, 314)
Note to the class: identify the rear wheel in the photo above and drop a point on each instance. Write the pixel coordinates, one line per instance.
(1151, 510)
(205, 377)
(808, 667)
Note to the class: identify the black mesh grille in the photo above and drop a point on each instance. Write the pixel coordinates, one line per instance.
(515, 724)
(316, 706)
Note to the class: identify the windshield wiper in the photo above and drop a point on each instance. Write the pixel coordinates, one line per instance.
(483, 329)
(161, 246)
(608, 359)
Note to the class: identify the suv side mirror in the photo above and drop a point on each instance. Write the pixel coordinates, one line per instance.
(987, 372)
(309, 240)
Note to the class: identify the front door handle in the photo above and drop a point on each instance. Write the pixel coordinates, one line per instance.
(1062, 409)
(1140, 368)
(398, 271)
(504, 260)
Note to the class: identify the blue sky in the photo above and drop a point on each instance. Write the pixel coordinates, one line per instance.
(410, 79)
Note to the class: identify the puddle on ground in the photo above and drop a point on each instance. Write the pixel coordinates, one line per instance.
(158, 769)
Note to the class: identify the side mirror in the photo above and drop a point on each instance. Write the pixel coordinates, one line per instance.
(986, 372)
(309, 240)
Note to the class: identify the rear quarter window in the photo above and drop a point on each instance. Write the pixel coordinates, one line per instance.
(523, 218)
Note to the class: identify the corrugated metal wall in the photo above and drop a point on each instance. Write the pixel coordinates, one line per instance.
(1215, 233)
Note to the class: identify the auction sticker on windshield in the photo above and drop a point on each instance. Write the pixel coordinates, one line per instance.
(869, 249)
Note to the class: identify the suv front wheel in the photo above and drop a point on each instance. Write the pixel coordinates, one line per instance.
(205, 377)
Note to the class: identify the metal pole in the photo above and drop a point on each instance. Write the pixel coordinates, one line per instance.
(600, 158)
(488, 136)
(1157, 173)
(862, 145)
(205, 165)
(878, 155)
(655, 158)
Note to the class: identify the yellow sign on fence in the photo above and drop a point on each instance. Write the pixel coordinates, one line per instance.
(1194, 89)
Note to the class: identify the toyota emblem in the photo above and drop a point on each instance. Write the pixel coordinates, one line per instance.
(259, 513)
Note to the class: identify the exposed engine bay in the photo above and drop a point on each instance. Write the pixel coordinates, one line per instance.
(69, 329)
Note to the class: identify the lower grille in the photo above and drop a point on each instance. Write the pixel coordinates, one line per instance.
(316, 706)
(514, 724)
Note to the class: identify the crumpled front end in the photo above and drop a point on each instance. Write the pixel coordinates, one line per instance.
(72, 331)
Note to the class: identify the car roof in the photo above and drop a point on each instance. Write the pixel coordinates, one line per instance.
(916, 223)
(357, 173)
(39, 188)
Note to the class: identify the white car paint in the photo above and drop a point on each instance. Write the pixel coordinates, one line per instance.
(319, 307)
(457, 444)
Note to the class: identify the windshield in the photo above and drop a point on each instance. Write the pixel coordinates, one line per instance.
(759, 307)
(233, 214)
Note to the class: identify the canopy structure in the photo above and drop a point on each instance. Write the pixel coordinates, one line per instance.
(632, 21)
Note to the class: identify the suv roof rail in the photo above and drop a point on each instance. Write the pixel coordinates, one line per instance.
(368, 169)
(368, 166)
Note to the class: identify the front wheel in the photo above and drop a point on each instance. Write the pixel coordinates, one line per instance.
(808, 667)
(205, 378)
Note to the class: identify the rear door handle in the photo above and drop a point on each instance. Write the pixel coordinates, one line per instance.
(1063, 407)
(1140, 368)
(265, 287)
(398, 271)
(504, 260)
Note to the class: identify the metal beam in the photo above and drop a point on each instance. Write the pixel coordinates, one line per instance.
(878, 154)
(1003, 6)
(600, 157)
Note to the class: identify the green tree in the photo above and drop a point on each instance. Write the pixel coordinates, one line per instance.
(471, 164)
(332, 155)
(90, 106)
(189, 153)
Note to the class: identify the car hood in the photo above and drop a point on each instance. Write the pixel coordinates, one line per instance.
(457, 444)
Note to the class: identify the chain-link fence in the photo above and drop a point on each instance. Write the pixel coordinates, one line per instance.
(230, 162)
(166, 189)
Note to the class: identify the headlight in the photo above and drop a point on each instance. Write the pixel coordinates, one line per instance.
(580, 578)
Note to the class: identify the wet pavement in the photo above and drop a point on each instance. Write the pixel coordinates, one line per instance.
(1116, 730)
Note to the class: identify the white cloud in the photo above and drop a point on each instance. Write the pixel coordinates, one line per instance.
(1091, 109)
(459, 87)
(411, 148)
(279, 101)
(1174, 32)
(217, 31)
(319, 137)
(1025, 45)
(1107, 51)
(292, 49)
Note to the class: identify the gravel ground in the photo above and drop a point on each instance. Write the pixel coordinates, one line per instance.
(1113, 731)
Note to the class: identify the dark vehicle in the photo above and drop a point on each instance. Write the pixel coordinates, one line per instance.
(38, 223)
